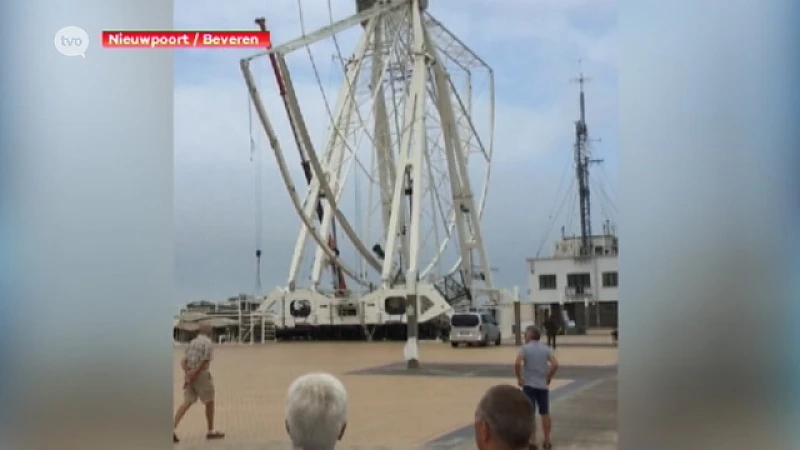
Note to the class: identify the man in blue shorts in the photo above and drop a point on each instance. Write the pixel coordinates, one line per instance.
(535, 367)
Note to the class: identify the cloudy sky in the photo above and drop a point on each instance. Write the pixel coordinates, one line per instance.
(533, 46)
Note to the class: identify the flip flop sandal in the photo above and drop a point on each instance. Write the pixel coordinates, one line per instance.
(547, 446)
(175, 439)
(215, 435)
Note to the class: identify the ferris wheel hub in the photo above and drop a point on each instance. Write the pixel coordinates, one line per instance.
(363, 5)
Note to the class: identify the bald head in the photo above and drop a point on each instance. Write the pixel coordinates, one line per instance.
(504, 419)
(533, 333)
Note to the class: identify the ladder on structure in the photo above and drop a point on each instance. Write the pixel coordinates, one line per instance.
(255, 326)
(258, 327)
(269, 333)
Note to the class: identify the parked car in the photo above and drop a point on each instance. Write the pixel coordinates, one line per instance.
(474, 328)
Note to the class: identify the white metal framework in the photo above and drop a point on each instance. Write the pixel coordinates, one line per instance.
(390, 218)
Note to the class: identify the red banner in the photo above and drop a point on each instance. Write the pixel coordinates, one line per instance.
(186, 39)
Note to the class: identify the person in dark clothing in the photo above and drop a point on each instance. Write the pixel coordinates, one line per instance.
(552, 327)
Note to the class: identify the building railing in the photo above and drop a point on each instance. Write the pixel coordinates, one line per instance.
(578, 292)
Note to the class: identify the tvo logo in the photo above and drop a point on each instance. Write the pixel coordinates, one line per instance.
(72, 41)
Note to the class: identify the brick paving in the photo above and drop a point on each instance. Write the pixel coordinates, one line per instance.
(388, 411)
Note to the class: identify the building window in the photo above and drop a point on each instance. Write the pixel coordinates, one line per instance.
(547, 282)
(610, 279)
(580, 282)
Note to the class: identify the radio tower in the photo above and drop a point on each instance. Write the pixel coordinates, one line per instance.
(582, 162)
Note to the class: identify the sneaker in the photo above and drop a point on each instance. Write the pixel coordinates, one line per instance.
(215, 435)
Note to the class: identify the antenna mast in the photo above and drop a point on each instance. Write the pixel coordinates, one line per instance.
(582, 162)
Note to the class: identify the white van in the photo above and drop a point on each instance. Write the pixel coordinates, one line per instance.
(474, 328)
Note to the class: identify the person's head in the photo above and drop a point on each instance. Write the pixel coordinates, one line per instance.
(205, 329)
(532, 333)
(316, 411)
(503, 419)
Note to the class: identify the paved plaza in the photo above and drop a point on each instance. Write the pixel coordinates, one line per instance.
(392, 407)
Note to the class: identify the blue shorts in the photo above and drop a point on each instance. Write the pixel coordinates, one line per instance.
(540, 399)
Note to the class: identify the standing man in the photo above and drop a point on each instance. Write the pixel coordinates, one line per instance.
(552, 326)
(535, 368)
(198, 384)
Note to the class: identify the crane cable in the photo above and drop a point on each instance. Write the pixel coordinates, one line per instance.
(350, 89)
(557, 207)
(255, 156)
(339, 281)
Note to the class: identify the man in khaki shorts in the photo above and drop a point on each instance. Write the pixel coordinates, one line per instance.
(198, 384)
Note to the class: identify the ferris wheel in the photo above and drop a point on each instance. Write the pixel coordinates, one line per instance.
(394, 166)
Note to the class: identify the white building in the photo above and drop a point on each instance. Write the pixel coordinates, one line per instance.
(586, 287)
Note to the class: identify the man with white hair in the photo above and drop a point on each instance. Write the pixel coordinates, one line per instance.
(316, 411)
(197, 383)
